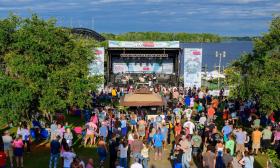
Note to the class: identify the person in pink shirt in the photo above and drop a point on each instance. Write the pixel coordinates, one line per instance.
(94, 118)
(60, 130)
(91, 130)
(175, 94)
(18, 150)
(90, 163)
(276, 140)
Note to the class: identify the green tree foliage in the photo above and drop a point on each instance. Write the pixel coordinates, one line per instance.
(158, 36)
(45, 68)
(259, 73)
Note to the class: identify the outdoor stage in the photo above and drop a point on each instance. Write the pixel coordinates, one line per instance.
(131, 62)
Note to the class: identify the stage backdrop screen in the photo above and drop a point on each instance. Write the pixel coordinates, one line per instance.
(165, 67)
(192, 67)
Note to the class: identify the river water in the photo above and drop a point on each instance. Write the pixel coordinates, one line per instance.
(234, 49)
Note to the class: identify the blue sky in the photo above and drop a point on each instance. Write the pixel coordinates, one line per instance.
(224, 17)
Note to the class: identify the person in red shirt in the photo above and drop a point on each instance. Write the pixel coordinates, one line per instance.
(210, 114)
(215, 103)
(3, 159)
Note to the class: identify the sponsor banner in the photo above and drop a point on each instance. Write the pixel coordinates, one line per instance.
(149, 117)
(144, 44)
(166, 68)
(192, 67)
(217, 92)
(96, 68)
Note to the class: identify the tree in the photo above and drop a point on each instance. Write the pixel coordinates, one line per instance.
(258, 74)
(158, 36)
(45, 67)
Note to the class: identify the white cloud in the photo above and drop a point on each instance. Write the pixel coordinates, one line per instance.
(158, 12)
(150, 12)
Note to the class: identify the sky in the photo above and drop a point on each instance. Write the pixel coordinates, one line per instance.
(223, 17)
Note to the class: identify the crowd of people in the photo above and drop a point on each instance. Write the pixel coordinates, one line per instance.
(194, 129)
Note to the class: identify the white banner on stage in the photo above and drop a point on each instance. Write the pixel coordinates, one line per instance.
(217, 92)
(96, 68)
(144, 44)
(192, 67)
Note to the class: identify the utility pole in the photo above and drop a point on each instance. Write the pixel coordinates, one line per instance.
(92, 23)
(71, 22)
(220, 55)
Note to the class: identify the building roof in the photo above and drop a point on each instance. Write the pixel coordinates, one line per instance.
(88, 33)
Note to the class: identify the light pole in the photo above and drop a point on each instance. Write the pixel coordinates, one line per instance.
(220, 55)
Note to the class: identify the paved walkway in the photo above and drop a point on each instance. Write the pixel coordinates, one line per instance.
(165, 162)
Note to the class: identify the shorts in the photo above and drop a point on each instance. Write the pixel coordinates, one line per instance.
(158, 149)
(123, 131)
(256, 146)
(9, 152)
(18, 152)
(91, 136)
(178, 165)
(266, 143)
(196, 150)
(133, 122)
(240, 147)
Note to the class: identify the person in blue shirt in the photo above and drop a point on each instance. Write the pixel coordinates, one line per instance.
(187, 101)
(158, 141)
(226, 131)
(103, 132)
(164, 132)
(55, 152)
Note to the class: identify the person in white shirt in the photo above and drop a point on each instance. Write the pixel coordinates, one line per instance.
(7, 141)
(24, 133)
(200, 95)
(145, 155)
(123, 147)
(68, 157)
(136, 164)
(68, 136)
(188, 113)
(189, 124)
(202, 119)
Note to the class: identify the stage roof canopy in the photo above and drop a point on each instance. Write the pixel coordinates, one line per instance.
(142, 99)
(144, 44)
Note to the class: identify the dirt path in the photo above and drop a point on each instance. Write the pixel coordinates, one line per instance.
(165, 162)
